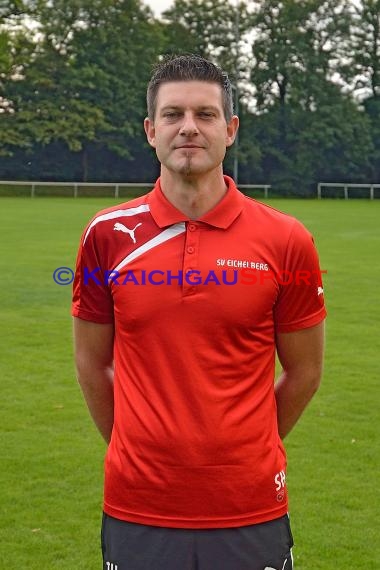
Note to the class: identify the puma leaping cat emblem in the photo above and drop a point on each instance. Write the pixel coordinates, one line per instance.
(122, 228)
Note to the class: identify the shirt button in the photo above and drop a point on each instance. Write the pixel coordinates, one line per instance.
(192, 227)
(190, 249)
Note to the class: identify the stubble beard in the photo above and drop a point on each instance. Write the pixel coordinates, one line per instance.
(186, 169)
(186, 166)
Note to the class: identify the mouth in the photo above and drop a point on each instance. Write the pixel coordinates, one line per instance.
(189, 146)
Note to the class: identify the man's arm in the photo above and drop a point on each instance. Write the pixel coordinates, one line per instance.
(93, 349)
(301, 356)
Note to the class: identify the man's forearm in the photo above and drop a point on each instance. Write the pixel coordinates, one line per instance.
(97, 388)
(301, 357)
(293, 392)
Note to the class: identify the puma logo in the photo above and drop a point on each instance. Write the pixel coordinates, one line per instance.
(122, 228)
(271, 568)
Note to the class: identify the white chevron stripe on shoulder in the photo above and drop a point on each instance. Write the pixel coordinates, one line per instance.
(116, 214)
(164, 236)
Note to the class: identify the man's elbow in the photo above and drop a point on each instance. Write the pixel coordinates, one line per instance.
(88, 370)
(83, 373)
(314, 380)
(304, 380)
(82, 365)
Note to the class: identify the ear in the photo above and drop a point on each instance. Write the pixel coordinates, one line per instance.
(150, 132)
(232, 129)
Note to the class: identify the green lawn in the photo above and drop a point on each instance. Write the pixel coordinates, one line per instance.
(51, 471)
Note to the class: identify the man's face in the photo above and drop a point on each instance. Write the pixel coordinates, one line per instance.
(189, 130)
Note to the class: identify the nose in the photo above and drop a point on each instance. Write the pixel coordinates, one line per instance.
(189, 126)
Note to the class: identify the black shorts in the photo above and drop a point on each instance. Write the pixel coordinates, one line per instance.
(129, 546)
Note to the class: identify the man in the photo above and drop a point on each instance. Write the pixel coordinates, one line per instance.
(181, 299)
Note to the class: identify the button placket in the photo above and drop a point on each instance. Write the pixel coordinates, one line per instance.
(190, 258)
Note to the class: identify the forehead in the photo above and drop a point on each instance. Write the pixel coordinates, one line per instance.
(189, 94)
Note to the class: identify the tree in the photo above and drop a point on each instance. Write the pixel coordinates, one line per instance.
(114, 52)
(41, 106)
(12, 133)
(10, 8)
(214, 29)
(298, 48)
(84, 83)
(365, 56)
(308, 127)
(365, 46)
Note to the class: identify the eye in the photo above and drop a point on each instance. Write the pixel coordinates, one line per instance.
(171, 114)
(206, 114)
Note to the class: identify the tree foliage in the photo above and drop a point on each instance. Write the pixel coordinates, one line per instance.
(211, 28)
(78, 83)
(73, 77)
(310, 127)
(365, 46)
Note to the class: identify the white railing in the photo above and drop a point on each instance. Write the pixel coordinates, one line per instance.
(346, 188)
(265, 187)
(116, 185)
(76, 185)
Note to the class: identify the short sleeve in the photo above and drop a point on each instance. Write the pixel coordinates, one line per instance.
(92, 299)
(300, 303)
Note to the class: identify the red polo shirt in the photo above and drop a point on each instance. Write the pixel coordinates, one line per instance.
(195, 442)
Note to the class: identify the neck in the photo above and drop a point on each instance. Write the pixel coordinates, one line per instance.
(194, 196)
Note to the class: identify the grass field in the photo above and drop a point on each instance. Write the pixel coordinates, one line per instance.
(51, 458)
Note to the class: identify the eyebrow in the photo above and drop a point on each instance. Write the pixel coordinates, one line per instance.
(200, 108)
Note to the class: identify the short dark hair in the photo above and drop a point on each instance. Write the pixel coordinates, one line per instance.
(189, 67)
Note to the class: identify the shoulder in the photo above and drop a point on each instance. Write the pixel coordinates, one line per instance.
(266, 211)
(114, 214)
(274, 221)
(139, 204)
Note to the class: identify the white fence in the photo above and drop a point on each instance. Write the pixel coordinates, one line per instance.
(345, 187)
(76, 187)
(264, 187)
